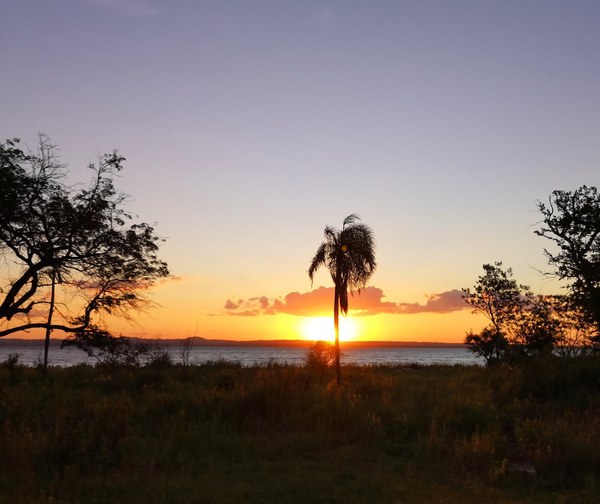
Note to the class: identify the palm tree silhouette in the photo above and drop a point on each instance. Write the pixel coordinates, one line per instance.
(349, 255)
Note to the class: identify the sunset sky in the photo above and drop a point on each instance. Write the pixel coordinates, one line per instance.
(250, 125)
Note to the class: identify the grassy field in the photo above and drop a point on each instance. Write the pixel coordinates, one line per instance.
(220, 433)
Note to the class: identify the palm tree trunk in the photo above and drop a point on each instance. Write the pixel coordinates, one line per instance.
(336, 326)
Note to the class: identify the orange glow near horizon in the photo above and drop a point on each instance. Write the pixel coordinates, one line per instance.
(425, 327)
(321, 328)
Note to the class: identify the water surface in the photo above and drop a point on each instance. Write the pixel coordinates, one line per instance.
(261, 355)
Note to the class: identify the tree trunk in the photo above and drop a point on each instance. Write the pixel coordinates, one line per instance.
(49, 323)
(336, 322)
(336, 326)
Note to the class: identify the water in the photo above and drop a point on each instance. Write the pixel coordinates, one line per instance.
(249, 356)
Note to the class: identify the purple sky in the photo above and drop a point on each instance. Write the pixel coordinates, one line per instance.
(249, 125)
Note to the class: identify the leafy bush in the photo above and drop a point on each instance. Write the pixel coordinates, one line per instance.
(11, 361)
(115, 351)
(320, 356)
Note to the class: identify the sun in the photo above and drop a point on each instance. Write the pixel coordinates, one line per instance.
(321, 328)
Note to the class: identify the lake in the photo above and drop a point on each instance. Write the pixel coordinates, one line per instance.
(261, 355)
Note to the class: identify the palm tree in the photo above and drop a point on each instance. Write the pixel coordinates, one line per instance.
(349, 255)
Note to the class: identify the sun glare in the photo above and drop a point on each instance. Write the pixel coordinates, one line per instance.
(321, 328)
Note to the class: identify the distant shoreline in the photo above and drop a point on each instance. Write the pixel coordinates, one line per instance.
(203, 342)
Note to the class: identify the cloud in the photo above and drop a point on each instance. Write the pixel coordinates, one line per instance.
(128, 7)
(319, 301)
(170, 279)
(249, 307)
(232, 305)
(444, 302)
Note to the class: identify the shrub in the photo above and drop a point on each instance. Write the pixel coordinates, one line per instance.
(320, 356)
(110, 350)
(11, 361)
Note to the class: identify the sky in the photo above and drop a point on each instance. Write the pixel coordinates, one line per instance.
(250, 125)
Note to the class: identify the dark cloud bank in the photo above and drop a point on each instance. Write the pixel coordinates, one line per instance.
(370, 301)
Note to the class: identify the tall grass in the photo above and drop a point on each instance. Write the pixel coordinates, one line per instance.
(220, 432)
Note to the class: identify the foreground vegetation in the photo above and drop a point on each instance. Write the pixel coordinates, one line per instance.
(224, 433)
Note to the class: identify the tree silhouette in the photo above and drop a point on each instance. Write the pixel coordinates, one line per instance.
(497, 296)
(572, 222)
(68, 253)
(349, 255)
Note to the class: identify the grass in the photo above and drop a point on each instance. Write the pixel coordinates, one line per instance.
(221, 433)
